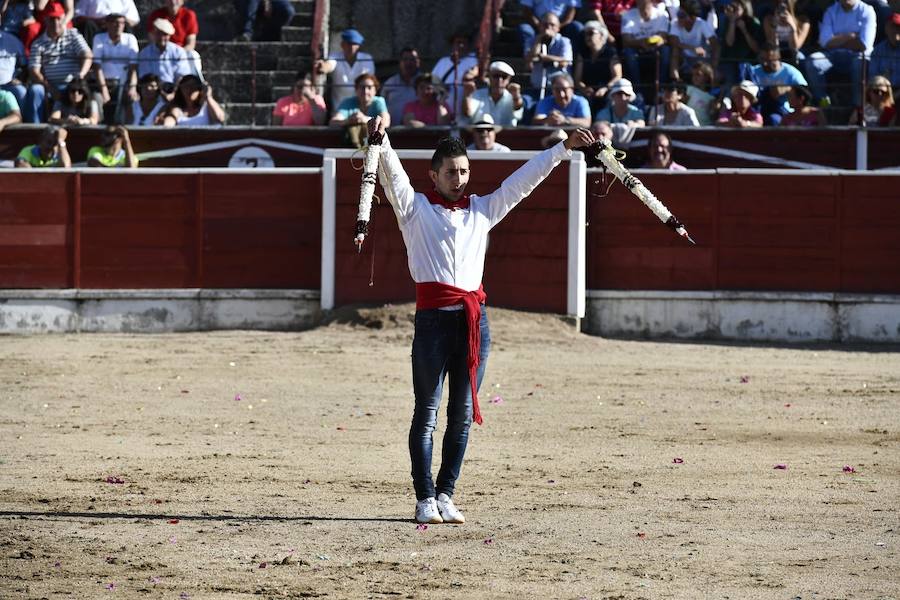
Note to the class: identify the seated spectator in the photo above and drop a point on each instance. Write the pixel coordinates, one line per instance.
(692, 39)
(501, 100)
(602, 130)
(620, 109)
(193, 105)
(90, 15)
(534, 11)
(76, 106)
(700, 95)
(563, 107)
(609, 13)
(50, 151)
(886, 55)
(32, 31)
(355, 111)
(304, 107)
(803, 113)
(846, 35)
(741, 114)
(12, 61)
(163, 57)
(57, 56)
(346, 66)
(114, 150)
(427, 108)
(741, 35)
(549, 54)
(115, 64)
(597, 65)
(16, 15)
(458, 70)
(672, 111)
(10, 113)
(267, 16)
(150, 103)
(879, 109)
(644, 31)
(184, 20)
(400, 88)
(787, 31)
(484, 135)
(775, 79)
(553, 138)
(659, 153)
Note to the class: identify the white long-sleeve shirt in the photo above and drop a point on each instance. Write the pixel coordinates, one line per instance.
(449, 246)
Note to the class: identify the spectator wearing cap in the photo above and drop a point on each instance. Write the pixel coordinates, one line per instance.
(458, 70)
(267, 16)
(184, 20)
(114, 151)
(12, 60)
(846, 35)
(484, 135)
(803, 113)
(501, 99)
(50, 151)
(672, 111)
(304, 107)
(741, 113)
(346, 66)
(163, 57)
(620, 109)
(885, 60)
(534, 12)
(90, 15)
(115, 63)
(33, 30)
(400, 87)
(549, 54)
(659, 153)
(644, 31)
(775, 79)
(57, 56)
(597, 65)
(427, 108)
(563, 107)
(692, 39)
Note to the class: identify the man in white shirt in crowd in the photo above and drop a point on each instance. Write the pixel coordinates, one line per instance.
(115, 62)
(645, 30)
(345, 66)
(400, 88)
(163, 57)
(502, 99)
(90, 15)
(446, 231)
(484, 135)
(692, 39)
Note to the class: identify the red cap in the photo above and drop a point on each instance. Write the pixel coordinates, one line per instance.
(895, 18)
(54, 10)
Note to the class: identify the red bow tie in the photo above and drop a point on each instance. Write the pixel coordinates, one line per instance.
(435, 198)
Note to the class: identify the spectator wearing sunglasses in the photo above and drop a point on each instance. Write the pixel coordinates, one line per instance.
(304, 107)
(76, 106)
(879, 109)
(501, 99)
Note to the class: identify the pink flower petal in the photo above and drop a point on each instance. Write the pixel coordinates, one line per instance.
(263, 565)
(745, 379)
(677, 460)
(237, 398)
(115, 480)
(780, 466)
(421, 527)
(110, 586)
(173, 521)
(642, 535)
(496, 400)
(489, 541)
(849, 469)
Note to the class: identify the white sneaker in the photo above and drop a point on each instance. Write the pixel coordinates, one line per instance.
(448, 510)
(427, 511)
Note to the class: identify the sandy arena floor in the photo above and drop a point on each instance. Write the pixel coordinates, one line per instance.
(247, 464)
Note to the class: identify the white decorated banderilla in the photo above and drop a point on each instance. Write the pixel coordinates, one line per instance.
(367, 189)
(602, 154)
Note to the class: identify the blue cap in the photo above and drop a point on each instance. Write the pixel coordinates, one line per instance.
(352, 36)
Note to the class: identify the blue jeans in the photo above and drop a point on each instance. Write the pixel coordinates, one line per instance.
(31, 101)
(847, 63)
(527, 34)
(270, 29)
(440, 350)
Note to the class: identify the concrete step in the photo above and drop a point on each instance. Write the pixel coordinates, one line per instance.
(238, 86)
(297, 34)
(294, 64)
(238, 56)
(242, 113)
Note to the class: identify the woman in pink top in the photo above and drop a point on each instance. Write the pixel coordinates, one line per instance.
(804, 115)
(427, 109)
(302, 108)
(741, 113)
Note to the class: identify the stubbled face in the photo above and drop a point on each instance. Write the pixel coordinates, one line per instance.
(409, 64)
(115, 28)
(660, 151)
(365, 92)
(484, 138)
(453, 176)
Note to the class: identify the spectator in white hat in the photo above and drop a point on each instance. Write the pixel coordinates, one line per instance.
(164, 58)
(741, 114)
(484, 135)
(501, 100)
(620, 109)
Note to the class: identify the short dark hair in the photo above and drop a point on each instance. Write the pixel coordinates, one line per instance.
(448, 147)
(803, 92)
(770, 47)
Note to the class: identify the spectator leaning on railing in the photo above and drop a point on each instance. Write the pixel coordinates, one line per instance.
(114, 151)
(303, 107)
(50, 151)
(400, 88)
(162, 56)
(57, 56)
(563, 107)
(184, 20)
(346, 66)
(355, 111)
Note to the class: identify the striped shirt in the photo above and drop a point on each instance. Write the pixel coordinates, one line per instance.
(58, 59)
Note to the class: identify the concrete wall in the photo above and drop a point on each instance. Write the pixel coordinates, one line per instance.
(744, 316)
(156, 311)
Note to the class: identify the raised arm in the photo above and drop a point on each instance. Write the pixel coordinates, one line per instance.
(393, 178)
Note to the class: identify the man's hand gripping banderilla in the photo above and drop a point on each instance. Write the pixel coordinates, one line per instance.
(578, 138)
(375, 128)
